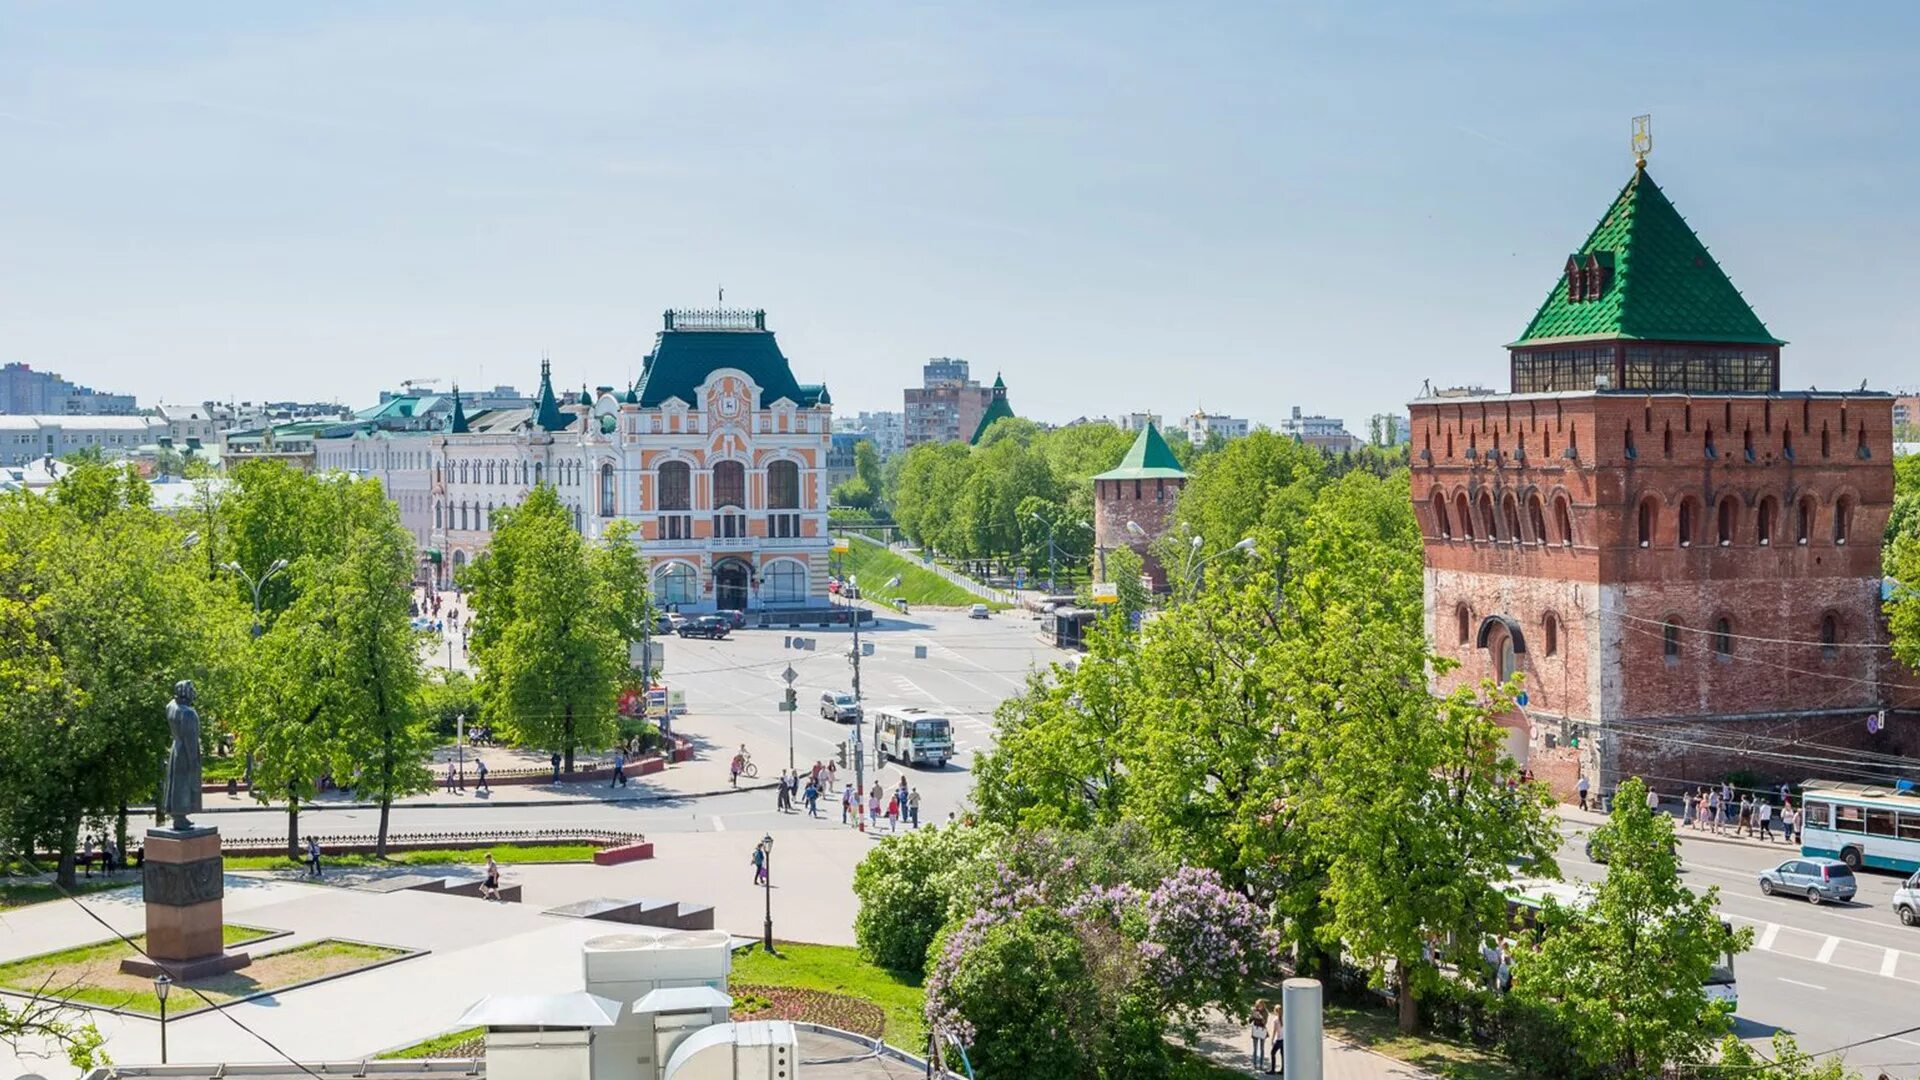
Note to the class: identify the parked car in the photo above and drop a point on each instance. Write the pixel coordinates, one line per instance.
(840, 706)
(713, 627)
(1906, 901)
(1816, 879)
(675, 621)
(978, 611)
(735, 618)
(663, 624)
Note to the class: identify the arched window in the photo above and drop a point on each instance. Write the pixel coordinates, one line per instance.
(1461, 620)
(1829, 637)
(606, 491)
(539, 473)
(1863, 450)
(1440, 521)
(1463, 515)
(1803, 520)
(676, 486)
(729, 484)
(1537, 518)
(1728, 520)
(463, 516)
(486, 516)
(436, 516)
(1487, 519)
(1763, 522)
(1550, 630)
(1510, 508)
(490, 472)
(1670, 640)
(1842, 518)
(1686, 522)
(783, 582)
(676, 583)
(1563, 520)
(1648, 511)
(523, 472)
(1826, 442)
(783, 486)
(1722, 636)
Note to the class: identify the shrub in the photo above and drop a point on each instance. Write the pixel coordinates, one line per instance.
(906, 885)
(1015, 988)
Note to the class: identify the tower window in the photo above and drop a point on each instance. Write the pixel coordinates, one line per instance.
(1746, 440)
(1550, 630)
(1722, 637)
(1463, 515)
(1563, 520)
(1686, 523)
(1763, 522)
(1537, 518)
(1826, 442)
(1511, 509)
(1842, 515)
(1666, 440)
(1803, 520)
(1440, 521)
(1829, 637)
(1630, 451)
(1863, 450)
(1786, 441)
(1461, 619)
(1647, 511)
(1729, 520)
(1670, 640)
(1487, 518)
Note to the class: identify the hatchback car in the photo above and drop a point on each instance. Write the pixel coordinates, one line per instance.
(707, 626)
(1816, 879)
(839, 706)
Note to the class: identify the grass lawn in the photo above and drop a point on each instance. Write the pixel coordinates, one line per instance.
(1377, 1030)
(39, 892)
(503, 854)
(91, 974)
(214, 769)
(466, 1042)
(875, 566)
(839, 969)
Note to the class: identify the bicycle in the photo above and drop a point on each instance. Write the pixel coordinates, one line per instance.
(749, 770)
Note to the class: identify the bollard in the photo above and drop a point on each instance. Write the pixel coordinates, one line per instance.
(1300, 1006)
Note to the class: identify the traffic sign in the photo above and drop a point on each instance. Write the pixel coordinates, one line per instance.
(789, 706)
(789, 676)
(1106, 592)
(1520, 699)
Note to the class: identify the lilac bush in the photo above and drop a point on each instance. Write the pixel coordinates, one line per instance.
(1205, 944)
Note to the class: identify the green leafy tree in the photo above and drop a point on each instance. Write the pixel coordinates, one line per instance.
(1626, 974)
(546, 635)
(1124, 570)
(1738, 1060)
(906, 885)
(446, 696)
(866, 466)
(853, 492)
(1021, 992)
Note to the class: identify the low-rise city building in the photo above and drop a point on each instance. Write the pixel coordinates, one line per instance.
(24, 438)
(1203, 425)
(1320, 432)
(26, 392)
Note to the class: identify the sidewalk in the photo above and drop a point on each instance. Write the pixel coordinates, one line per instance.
(1591, 818)
(688, 780)
(1224, 1042)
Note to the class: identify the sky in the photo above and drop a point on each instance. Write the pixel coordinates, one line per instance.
(1241, 207)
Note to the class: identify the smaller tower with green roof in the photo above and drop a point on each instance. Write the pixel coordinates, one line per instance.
(997, 409)
(1133, 501)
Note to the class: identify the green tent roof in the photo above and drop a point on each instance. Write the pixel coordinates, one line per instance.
(1149, 458)
(546, 407)
(459, 423)
(1662, 283)
(997, 409)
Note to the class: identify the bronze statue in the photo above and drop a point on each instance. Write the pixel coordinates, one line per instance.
(181, 795)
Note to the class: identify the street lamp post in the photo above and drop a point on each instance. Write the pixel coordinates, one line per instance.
(1197, 572)
(161, 984)
(256, 585)
(766, 880)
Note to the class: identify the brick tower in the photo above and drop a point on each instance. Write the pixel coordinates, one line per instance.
(1133, 501)
(1682, 559)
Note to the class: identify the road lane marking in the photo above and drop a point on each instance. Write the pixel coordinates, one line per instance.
(1766, 939)
(1827, 947)
(1889, 962)
(719, 825)
(1797, 982)
(1909, 1042)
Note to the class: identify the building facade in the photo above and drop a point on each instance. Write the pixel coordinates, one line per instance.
(1203, 425)
(1320, 432)
(1133, 503)
(1682, 561)
(25, 438)
(887, 430)
(716, 455)
(26, 392)
(840, 456)
(946, 406)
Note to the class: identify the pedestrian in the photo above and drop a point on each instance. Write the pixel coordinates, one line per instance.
(450, 787)
(1686, 809)
(733, 770)
(86, 857)
(1581, 787)
(1713, 810)
(782, 799)
(619, 764)
(555, 760)
(813, 798)
(873, 804)
(480, 772)
(893, 812)
(313, 858)
(1763, 810)
(759, 864)
(1276, 1038)
(913, 807)
(1746, 815)
(1653, 800)
(1257, 1030)
(1789, 821)
(846, 805)
(902, 792)
(490, 888)
(833, 775)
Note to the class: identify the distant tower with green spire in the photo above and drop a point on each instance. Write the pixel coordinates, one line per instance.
(546, 407)
(459, 424)
(997, 409)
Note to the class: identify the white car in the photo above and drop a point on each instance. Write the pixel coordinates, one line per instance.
(978, 611)
(1906, 901)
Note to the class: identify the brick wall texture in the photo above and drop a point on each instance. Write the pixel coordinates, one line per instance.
(1148, 503)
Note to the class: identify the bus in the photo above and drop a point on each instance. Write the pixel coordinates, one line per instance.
(913, 736)
(1527, 897)
(1861, 825)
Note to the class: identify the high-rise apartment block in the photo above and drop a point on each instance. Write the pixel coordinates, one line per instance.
(26, 392)
(946, 406)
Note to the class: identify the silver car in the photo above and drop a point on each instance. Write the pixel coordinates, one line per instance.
(1906, 901)
(842, 707)
(1816, 879)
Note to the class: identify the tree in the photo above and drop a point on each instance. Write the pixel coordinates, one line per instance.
(1738, 1060)
(854, 493)
(866, 466)
(1626, 974)
(1019, 991)
(906, 885)
(1125, 569)
(547, 633)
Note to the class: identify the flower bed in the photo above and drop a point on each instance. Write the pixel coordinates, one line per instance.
(753, 1001)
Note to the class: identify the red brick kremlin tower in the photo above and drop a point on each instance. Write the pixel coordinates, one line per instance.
(1682, 559)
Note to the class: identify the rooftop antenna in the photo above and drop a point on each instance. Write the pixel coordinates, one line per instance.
(1642, 139)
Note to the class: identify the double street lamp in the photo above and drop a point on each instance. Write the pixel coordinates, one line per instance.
(256, 584)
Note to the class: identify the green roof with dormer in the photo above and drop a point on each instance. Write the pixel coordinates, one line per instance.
(1660, 282)
(1149, 458)
(693, 345)
(997, 409)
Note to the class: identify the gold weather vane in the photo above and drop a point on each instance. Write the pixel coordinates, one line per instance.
(1642, 139)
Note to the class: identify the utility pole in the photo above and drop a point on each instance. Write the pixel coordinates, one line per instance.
(840, 547)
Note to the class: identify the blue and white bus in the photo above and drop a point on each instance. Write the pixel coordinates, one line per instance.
(1861, 825)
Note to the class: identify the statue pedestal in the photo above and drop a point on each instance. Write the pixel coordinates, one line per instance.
(183, 888)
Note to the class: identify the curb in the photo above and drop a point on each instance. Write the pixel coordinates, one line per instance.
(308, 808)
(1681, 832)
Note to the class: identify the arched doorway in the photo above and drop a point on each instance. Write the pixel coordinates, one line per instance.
(730, 580)
(1505, 644)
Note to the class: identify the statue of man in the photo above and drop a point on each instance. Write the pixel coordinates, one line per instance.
(181, 796)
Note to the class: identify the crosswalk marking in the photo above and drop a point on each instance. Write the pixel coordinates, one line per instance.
(1789, 941)
(1767, 939)
(1826, 950)
(1889, 962)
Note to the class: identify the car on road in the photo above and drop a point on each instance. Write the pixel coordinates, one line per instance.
(1906, 901)
(713, 627)
(1816, 879)
(735, 618)
(671, 622)
(978, 611)
(840, 706)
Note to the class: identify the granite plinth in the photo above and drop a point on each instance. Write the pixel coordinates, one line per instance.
(201, 967)
(183, 887)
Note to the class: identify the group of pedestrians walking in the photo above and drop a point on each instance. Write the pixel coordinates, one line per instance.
(1717, 810)
(900, 805)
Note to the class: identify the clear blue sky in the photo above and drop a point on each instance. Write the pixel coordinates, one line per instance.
(1246, 206)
